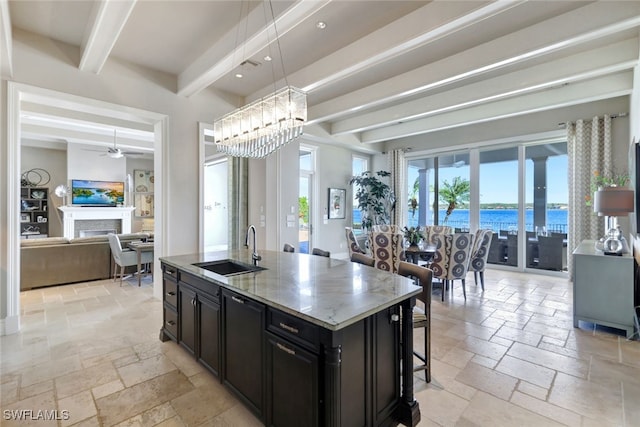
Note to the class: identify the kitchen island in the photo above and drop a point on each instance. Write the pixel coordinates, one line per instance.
(305, 340)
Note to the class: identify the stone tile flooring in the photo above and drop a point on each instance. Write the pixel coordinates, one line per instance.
(506, 357)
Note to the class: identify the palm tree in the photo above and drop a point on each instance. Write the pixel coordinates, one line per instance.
(454, 194)
(413, 197)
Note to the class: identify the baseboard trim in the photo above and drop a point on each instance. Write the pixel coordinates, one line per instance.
(9, 325)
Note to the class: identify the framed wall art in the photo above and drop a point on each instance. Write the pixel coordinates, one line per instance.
(337, 201)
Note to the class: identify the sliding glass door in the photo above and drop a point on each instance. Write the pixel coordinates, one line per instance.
(498, 186)
(519, 192)
(547, 201)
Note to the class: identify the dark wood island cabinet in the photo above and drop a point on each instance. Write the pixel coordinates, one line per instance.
(307, 340)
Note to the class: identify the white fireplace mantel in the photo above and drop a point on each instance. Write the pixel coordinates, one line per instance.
(71, 214)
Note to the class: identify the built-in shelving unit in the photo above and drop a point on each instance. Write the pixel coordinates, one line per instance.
(34, 212)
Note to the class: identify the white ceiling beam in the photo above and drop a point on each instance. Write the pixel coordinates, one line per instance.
(608, 59)
(587, 91)
(209, 68)
(84, 137)
(6, 43)
(425, 25)
(529, 43)
(102, 32)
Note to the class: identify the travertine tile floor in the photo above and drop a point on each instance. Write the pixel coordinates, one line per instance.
(506, 357)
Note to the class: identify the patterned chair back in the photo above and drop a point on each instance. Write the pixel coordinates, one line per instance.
(352, 243)
(452, 256)
(459, 255)
(440, 260)
(387, 250)
(480, 252)
(435, 230)
(386, 228)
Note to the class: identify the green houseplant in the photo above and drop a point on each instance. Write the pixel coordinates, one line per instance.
(455, 193)
(374, 196)
(413, 235)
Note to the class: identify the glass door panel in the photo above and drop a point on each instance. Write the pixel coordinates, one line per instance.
(498, 188)
(546, 198)
(453, 191)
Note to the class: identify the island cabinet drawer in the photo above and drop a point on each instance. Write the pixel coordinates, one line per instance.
(209, 288)
(170, 271)
(171, 322)
(170, 292)
(293, 328)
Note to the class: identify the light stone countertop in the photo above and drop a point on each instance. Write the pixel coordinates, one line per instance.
(327, 292)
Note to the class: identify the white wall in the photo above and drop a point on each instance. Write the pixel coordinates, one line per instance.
(89, 163)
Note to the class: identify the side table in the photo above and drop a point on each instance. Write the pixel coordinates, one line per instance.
(603, 288)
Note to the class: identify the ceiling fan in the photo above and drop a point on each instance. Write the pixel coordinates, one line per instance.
(116, 153)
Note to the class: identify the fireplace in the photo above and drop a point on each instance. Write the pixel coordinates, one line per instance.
(76, 218)
(91, 233)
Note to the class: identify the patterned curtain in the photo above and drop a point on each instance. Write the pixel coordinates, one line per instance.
(398, 170)
(589, 150)
(238, 200)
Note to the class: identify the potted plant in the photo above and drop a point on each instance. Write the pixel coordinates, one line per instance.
(454, 193)
(413, 235)
(375, 198)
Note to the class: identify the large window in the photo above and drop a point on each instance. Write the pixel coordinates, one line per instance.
(519, 192)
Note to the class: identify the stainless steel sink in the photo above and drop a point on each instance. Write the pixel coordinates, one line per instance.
(228, 267)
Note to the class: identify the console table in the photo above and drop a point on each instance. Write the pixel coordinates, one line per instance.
(603, 288)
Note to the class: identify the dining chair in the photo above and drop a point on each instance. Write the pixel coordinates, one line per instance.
(386, 228)
(387, 250)
(497, 250)
(352, 243)
(434, 230)
(362, 259)
(125, 257)
(421, 317)
(550, 253)
(320, 252)
(451, 259)
(512, 249)
(480, 254)
(288, 248)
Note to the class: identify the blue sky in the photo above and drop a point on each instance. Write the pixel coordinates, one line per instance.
(499, 181)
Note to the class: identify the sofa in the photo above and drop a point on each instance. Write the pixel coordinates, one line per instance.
(58, 260)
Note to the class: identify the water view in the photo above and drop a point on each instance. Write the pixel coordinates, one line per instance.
(494, 219)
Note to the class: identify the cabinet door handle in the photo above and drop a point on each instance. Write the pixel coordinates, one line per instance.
(171, 294)
(291, 329)
(170, 322)
(286, 349)
(170, 271)
(237, 299)
(193, 302)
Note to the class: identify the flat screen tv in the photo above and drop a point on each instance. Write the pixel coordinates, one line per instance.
(96, 193)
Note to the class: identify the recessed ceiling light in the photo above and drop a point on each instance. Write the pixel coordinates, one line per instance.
(267, 58)
(321, 25)
(239, 76)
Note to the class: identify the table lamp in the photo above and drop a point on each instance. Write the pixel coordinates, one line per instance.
(612, 202)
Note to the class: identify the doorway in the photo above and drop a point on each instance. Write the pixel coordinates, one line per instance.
(216, 213)
(306, 199)
(17, 94)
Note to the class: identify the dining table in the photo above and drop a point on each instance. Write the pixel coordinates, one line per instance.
(417, 253)
(140, 246)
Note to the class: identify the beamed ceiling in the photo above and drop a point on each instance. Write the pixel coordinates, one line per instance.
(379, 71)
